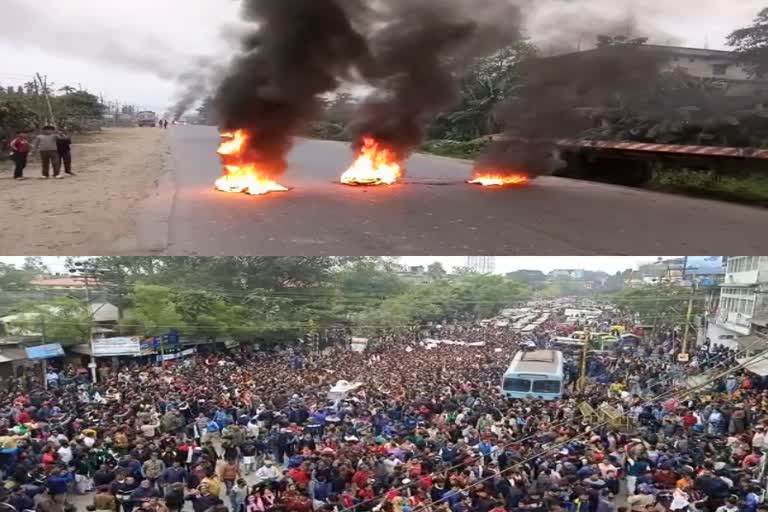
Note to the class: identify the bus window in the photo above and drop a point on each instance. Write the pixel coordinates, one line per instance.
(546, 386)
(519, 385)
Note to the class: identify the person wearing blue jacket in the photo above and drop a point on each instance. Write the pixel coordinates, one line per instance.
(58, 484)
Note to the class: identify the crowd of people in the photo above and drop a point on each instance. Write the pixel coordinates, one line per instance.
(423, 428)
(53, 146)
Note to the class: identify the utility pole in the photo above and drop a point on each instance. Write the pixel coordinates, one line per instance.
(687, 325)
(86, 273)
(44, 362)
(44, 89)
(583, 372)
(91, 315)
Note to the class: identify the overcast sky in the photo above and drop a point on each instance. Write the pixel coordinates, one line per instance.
(504, 264)
(610, 264)
(130, 51)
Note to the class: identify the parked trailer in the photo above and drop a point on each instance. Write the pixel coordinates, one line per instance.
(631, 163)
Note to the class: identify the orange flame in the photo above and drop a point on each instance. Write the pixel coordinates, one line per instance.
(240, 176)
(375, 165)
(499, 180)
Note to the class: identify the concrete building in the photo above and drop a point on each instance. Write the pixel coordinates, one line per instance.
(481, 264)
(721, 69)
(25, 324)
(742, 304)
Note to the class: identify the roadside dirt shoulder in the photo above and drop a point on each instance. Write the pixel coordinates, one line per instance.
(92, 213)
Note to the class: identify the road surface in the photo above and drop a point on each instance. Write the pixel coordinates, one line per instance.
(433, 213)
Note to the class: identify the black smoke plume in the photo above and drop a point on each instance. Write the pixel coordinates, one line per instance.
(556, 100)
(416, 59)
(299, 50)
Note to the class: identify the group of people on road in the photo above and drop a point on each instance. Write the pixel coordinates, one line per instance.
(427, 430)
(53, 146)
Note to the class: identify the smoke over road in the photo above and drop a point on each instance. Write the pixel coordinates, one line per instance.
(550, 104)
(298, 51)
(412, 54)
(409, 52)
(415, 62)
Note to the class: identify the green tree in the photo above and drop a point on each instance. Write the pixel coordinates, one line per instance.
(490, 81)
(658, 304)
(436, 271)
(12, 278)
(464, 298)
(15, 115)
(751, 44)
(153, 313)
(36, 265)
(66, 321)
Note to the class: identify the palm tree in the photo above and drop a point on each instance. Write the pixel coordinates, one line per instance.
(67, 90)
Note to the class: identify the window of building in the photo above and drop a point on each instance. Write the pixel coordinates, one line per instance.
(743, 263)
(719, 69)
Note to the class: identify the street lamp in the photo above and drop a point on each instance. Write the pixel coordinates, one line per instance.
(88, 272)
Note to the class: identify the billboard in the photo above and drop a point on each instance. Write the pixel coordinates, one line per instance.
(120, 346)
(44, 351)
(704, 265)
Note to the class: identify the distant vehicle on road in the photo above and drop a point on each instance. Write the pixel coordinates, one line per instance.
(147, 118)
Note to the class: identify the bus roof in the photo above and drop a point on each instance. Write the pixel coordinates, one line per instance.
(547, 362)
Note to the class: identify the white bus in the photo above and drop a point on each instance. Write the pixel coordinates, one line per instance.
(534, 375)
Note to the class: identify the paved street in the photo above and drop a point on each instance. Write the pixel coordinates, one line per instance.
(434, 212)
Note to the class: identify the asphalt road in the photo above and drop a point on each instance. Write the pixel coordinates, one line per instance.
(433, 213)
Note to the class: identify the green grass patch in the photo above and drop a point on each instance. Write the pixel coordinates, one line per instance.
(749, 189)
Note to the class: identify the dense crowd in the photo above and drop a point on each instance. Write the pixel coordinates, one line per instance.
(427, 431)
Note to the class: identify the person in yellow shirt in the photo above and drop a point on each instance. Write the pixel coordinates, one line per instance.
(213, 484)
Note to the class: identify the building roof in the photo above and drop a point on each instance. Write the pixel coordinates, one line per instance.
(101, 311)
(661, 49)
(10, 354)
(59, 282)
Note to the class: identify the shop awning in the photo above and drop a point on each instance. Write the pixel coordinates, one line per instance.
(758, 366)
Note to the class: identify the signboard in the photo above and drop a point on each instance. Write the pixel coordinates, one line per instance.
(682, 358)
(119, 346)
(177, 355)
(44, 351)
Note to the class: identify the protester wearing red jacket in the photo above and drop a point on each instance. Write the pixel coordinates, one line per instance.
(20, 148)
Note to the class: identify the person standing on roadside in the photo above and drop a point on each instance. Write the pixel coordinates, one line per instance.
(20, 148)
(64, 147)
(46, 143)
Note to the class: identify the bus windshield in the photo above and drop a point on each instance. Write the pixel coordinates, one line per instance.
(546, 386)
(520, 385)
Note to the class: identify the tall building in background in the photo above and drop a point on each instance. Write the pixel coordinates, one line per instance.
(481, 264)
(743, 306)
